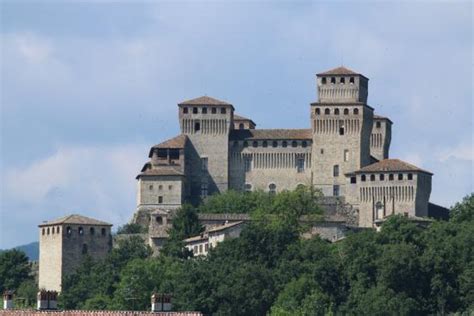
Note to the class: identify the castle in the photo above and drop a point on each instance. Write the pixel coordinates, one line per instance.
(345, 154)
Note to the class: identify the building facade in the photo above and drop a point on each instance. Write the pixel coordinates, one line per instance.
(219, 150)
(63, 244)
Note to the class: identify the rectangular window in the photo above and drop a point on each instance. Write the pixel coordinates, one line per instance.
(185, 110)
(204, 191)
(336, 171)
(335, 190)
(247, 164)
(204, 162)
(206, 247)
(160, 199)
(400, 176)
(197, 126)
(346, 155)
(300, 164)
(353, 180)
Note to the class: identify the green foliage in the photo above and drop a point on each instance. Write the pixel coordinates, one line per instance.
(464, 210)
(14, 269)
(25, 295)
(131, 228)
(236, 202)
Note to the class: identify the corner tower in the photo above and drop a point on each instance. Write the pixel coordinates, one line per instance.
(341, 124)
(207, 123)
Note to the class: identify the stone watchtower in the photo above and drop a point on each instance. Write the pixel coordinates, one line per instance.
(64, 242)
(207, 123)
(341, 124)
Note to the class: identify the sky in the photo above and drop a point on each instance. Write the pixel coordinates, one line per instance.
(88, 87)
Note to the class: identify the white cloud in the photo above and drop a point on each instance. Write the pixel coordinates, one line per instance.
(463, 151)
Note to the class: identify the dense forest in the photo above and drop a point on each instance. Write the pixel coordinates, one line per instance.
(405, 269)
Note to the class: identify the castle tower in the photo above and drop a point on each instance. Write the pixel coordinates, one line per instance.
(341, 124)
(381, 137)
(64, 242)
(207, 123)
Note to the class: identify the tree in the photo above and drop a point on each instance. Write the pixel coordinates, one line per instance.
(236, 202)
(14, 269)
(131, 228)
(464, 210)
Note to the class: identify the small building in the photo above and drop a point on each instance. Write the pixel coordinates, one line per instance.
(201, 244)
(63, 244)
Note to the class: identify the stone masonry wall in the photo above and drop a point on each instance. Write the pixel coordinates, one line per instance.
(93, 313)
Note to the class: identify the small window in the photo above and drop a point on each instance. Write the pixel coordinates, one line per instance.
(272, 188)
(57, 230)
(223, 111)
(52, 230)
(322, 151)
(342, 80)
(248, 187)
(327, 111)
(324, 80)
(341, 130)
(195, 110)
(294, 144)
(372, 177)
(318, 111)
(300, 165)
(255, 144)
(346, 111)
(160, 187)
(246, 144)
(351, 80)
(284, 143)
(265, 143)
(170, 187)
(206, 247)
(336, 111)
(84, 249)
(353, 180)
(195, 249)
(185, 110)
(400, 176)
(382, 177)
(390, 177)
(241, 126)
(103, 232)
(204, 164)
(92, 231)
(335, 190)
(204, 110)
(197, 126)
(275, 143)
(200, 248)
(346, 154)
(304, 144)
(333, 80)
(356, 111)
(47, 231)
(410, 176)
(81, 231)
(150, 187)
(68, 231)
(247, 164)
(213, 110)
(160, 199)
(362, 178)
(159, 220)
(335, 171)
(378, 124)
(43, 231)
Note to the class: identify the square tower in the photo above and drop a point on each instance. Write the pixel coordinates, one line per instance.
(64, 242)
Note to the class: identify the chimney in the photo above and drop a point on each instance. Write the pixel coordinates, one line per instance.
(161, 302)
(47, 300)
(8, 299)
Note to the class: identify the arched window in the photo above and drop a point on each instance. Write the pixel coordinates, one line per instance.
(213, 110)
(43, 231)
(362, 178)
(255, 143)
(327, 111)
(351, 80)
(382, 177)
(324, 80)
(294, 144)
(335, 171)
(390, 177)
(68, 231)
(284, 143)
(343, 80)
(336, 111)
(47, 231)
(241, 126)
(248, 187)
(304, 144)
(223, 111)
(57, 230)
(341, 127)
(92, 231)
(265, 143)
(372, 177)
(159, 220)
(195, 110)
(103, 231)
(272, 188)
(400, 176)
(197, 126)
(204, 110)
(81, 231)
(378, 124)
(333, 79)
(410, 176)
(346, 111)
(246, 144)
(185, 110)
(275, 143)
(356, 111)
(318, 111)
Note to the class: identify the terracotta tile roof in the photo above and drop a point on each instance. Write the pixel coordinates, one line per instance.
(161, 171)
(271, 134)
(223, 227)
(388, 165)
(339, 71)
(204, 100)
(196, 238)
(75, 219)
(175, 142)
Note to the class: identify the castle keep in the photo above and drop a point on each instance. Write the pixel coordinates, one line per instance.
(344, 153)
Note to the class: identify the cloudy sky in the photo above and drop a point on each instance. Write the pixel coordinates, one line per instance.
(87, 88)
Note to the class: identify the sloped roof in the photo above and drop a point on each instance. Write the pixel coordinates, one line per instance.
(75, 219)
(204, 100)
(242, 118)
(161, 171)
(175, 142)
(224, 227)
(388, 165)
(380, 117)
(340, 71)
(284, 134)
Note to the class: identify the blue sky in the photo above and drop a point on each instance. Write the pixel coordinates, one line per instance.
(87, 88)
